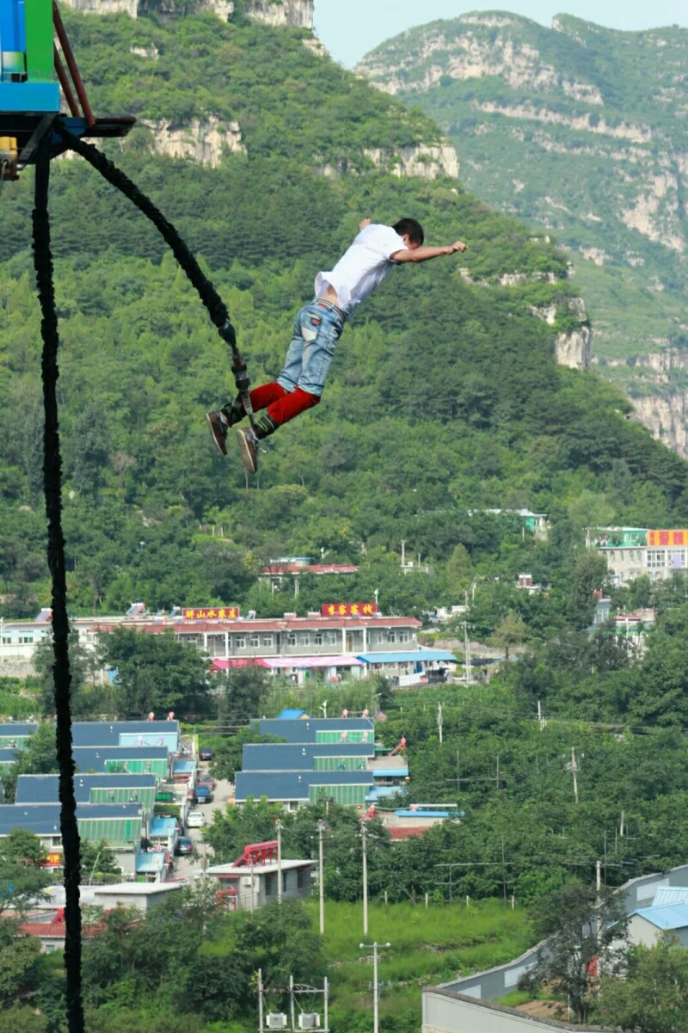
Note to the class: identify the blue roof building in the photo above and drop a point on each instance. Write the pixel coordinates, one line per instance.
(648, 924)
(127, 733)
(319, 729)
(146, 760)
(96, 788)
(307, 756)
(118, 824)
(13, 734)
(293, 789)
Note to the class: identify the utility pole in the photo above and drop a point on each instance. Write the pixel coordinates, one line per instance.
(376, 992)
(253, 894)
(439, 721)
(598, 875)
(279, 862)
(541, 720)
(364, 843)
(321, 877)
(403, 553)
(574, 770)
(467, 655)
(260, 994)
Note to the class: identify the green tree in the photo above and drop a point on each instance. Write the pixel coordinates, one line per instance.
(583, 927)
(242, 691)
(23, 880)
(155, 673)
(511, 631)
(82, 663)
(652, 994)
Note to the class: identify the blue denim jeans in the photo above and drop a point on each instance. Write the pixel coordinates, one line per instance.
(317, 328)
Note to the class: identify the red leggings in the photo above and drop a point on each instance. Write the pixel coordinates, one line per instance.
(282, 405)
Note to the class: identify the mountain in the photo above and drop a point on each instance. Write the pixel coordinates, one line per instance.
(445, 401)
(580, 131)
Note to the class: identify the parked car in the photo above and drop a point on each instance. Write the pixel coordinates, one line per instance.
(184, 846)
(207, 780)
(195, 820)
(204, 794)
(205, 753)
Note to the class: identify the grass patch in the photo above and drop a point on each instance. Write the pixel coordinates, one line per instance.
(428, 946)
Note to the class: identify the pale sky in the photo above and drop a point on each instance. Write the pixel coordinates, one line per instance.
(350, 28)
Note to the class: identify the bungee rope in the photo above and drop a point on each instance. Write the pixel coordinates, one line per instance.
(217, 310)
(62, 678)
(52, 481)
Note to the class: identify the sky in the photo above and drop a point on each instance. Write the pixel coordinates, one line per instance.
(350, 28)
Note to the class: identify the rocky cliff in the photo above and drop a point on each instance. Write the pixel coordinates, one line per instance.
(582, 131)
(291, 13)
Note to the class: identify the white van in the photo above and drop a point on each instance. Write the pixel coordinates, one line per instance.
(195, 820)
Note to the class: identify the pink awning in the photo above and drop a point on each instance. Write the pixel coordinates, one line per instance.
(221, 664)
(340, 660)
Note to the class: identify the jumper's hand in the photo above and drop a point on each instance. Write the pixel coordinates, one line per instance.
(363, 223)
(458, 245)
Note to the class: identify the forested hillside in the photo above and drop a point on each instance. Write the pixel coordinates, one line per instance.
(445, 397)
(579, 130)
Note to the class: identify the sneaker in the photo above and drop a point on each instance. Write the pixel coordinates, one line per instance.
(219, 426)
(248, 443)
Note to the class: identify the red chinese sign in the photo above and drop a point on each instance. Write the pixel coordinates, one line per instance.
(53, 861)
(211, 613)
(348, 609)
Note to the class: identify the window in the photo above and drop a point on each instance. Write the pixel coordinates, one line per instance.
(254, 641)
(270, 885)
(6, 640)
(240, 642)
(291, 638)
(26, 639)
(404, 636)
(268, 641)
(331, 638)
(302, 878)
(656, 557)
(318, 639)
(284, 881)
(391, 635)
(305, 639)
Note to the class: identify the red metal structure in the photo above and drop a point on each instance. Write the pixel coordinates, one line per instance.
(258, 853)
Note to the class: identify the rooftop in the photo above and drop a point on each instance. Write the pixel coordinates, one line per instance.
(44, 818)
(137, 889)
(258, 869)
(33, 789)
(408, 657)
(665, 916)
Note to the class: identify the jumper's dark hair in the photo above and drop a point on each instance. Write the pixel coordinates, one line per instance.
(412, 228)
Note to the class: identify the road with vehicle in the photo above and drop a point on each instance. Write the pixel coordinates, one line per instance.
(188, 867)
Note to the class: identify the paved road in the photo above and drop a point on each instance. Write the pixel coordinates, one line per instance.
(188, 867)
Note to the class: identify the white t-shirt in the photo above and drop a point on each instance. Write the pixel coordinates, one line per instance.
(360, 269)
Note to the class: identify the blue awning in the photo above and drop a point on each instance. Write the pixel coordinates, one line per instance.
(411, 657)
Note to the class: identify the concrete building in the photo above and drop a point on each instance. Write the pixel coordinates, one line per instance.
(448, 1012)
(649, 924)
(633, 552)
(144, 896)
(252, 880)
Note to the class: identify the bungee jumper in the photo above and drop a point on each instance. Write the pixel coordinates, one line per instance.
(318, 326)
